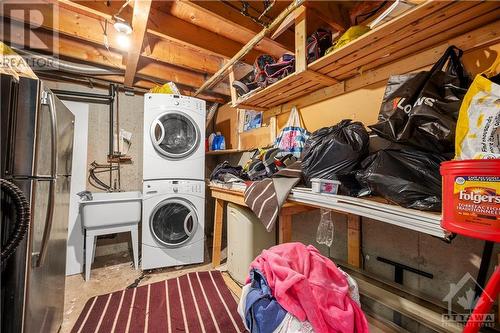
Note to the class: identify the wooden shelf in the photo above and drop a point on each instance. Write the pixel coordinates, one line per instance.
(427, 25)
(293, 86)
(373, 207)
(225, 151)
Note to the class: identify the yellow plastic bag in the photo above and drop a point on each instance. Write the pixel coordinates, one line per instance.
(167, 88)
(478, 126)
(13, 64)
(351, 34)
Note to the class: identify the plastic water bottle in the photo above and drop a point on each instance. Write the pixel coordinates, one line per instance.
(324, 235)
(211, 139)
(222, 145)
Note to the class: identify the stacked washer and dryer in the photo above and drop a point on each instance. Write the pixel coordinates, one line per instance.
(173, 188)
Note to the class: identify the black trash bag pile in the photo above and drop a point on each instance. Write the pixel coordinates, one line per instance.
(407, 177)
(335, 153)
(420, 112)
(421, 109)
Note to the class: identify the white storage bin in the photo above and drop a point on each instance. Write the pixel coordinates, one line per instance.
(246, 238)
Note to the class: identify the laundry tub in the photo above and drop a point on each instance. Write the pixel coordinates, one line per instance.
(246, 238)
(109, 213)
(111, 209)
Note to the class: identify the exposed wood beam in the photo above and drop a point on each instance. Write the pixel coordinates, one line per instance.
(139, 24)
(98, 55)
(331, 12)
(191, 12)
(217, 77)
(286, 39)
(300, 39)
(284, 26)
(182, 55)
(89, 26)
(171, 28)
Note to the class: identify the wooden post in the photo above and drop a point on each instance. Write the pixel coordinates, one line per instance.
(354, 240)
(300, 39)
(234, 95)
(285, 228)
(218, 218)
(273, 128)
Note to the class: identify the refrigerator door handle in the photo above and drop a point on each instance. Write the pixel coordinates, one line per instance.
(48, 99)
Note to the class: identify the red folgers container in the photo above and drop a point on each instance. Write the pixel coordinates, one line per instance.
(471, 198)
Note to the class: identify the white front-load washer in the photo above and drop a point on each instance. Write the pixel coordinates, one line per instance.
(174, 137)
(173, 223)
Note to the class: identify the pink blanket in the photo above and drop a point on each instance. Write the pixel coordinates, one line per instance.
(311, 287)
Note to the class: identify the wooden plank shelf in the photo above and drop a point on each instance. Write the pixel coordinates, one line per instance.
(225, 151)
(423, 27)
(372, 207)
(293, 86)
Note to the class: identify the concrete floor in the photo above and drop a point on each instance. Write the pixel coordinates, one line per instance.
(116, 272)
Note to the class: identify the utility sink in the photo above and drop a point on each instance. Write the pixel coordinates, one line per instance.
(111, 209)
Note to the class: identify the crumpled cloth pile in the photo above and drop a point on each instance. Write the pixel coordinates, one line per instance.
(293, 288)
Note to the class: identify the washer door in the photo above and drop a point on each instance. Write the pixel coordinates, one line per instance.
(175, 135)
(173, 222)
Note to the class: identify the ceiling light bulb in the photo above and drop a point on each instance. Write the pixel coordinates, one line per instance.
(123, 41)
(122, 26)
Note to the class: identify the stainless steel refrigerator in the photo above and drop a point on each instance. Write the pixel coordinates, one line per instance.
(37, 148)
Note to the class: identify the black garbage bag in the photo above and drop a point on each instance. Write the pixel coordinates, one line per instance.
(407, 177)
(421, 109)
(334, 152)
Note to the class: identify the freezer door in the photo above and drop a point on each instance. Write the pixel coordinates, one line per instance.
(24, 129)
(62, 123)
(65, 134)
(45, 294)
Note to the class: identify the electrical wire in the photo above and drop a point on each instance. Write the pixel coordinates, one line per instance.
(244, 12)
(122, 8)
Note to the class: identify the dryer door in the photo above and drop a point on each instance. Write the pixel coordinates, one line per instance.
(173, 222)
(174, 135)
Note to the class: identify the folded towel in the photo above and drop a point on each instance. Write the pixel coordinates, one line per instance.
(266, 197)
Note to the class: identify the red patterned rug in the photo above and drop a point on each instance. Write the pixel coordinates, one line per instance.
(196, 302)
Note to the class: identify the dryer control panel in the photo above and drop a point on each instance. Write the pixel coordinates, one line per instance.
(173, 187)
(174, 101)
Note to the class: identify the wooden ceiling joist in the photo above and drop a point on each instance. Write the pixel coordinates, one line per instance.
(206, 19)
(171, 28)
(331, 12)
(91, 29)
(73, 49)
(286, 39)
(139, 25)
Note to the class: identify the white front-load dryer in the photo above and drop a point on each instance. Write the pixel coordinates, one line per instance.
(174, 137)
(173, 223)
